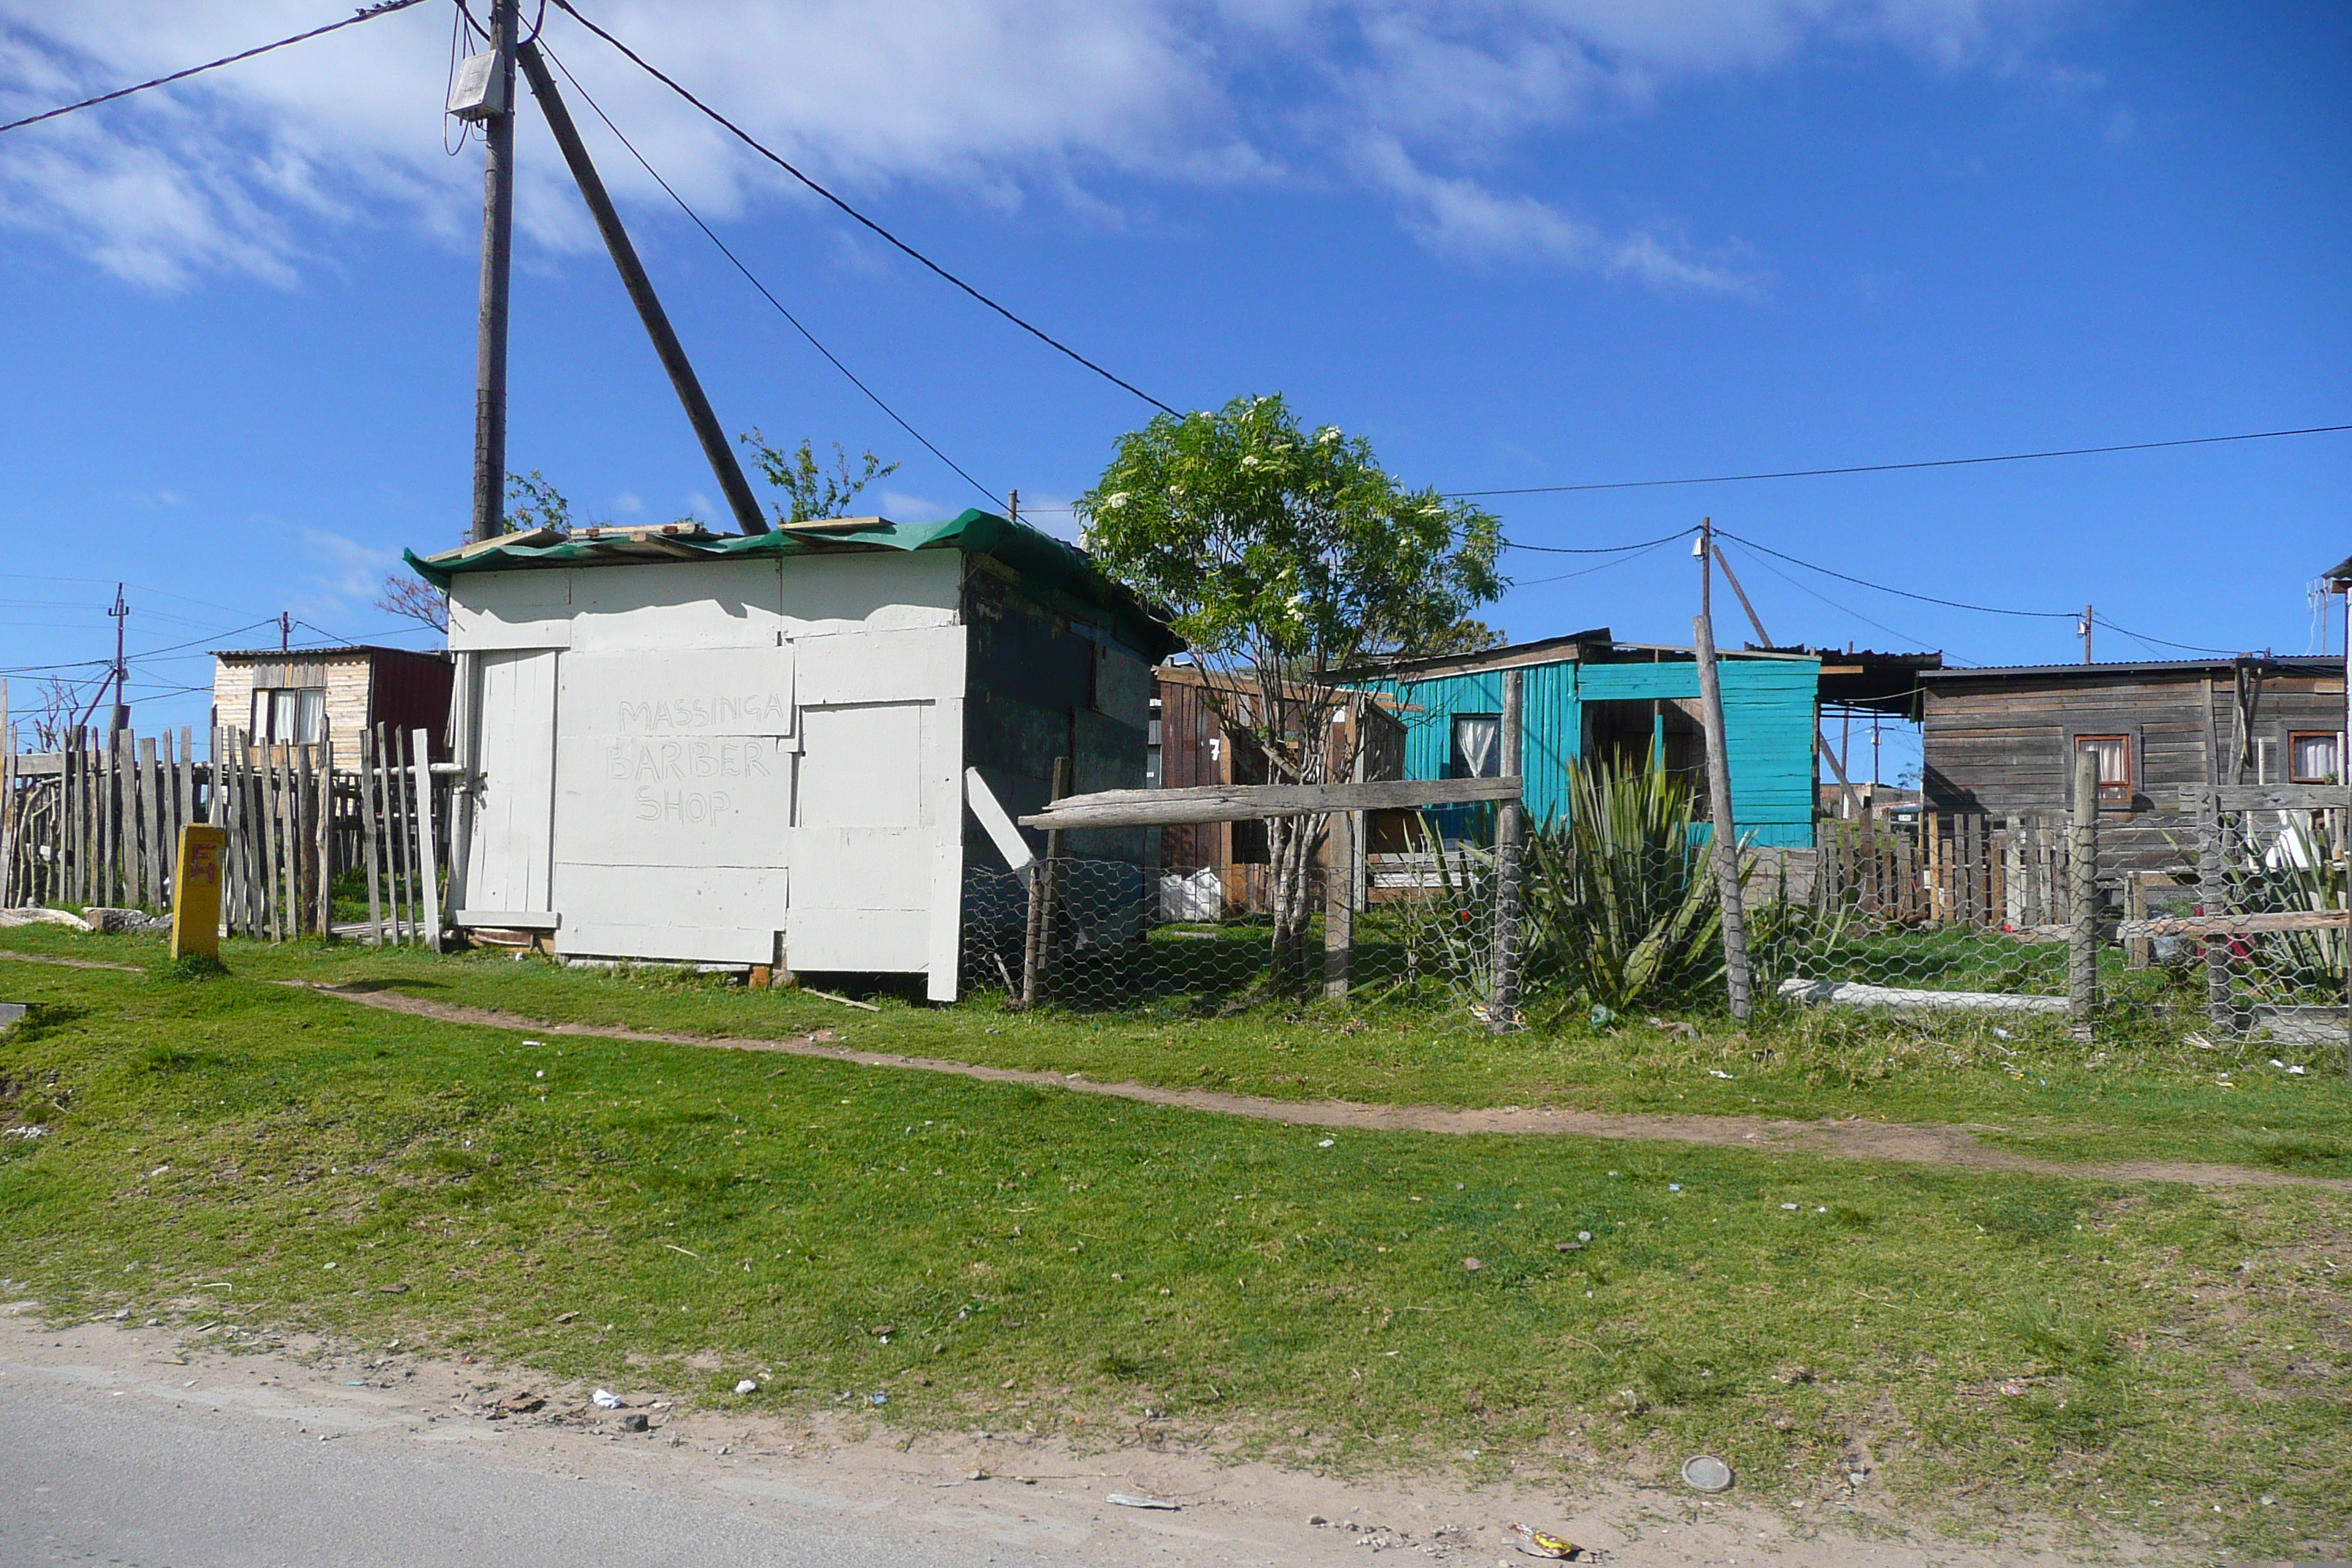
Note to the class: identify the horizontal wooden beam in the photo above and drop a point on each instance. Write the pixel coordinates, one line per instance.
(2198, 925)
(2269, 797)
(1246, 803)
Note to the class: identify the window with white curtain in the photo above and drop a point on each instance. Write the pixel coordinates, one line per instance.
(2314, 756)
(296, 714)
(1477, 746)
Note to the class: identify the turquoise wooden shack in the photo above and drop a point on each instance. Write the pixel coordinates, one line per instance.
(1588, 696)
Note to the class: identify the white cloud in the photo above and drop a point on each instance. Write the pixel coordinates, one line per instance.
(348, 573)
(627, 501)
(1001, 102)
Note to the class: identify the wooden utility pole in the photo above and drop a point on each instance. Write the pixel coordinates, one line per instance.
(498, 265)
(748, 517)
(1723, 840)
(2082, 890)
(2086, 634)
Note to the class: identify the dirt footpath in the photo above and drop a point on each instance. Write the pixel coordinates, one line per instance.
(1855, 1140)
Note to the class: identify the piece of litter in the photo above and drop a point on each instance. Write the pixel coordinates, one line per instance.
(2012, 1389)
(1584, 1235)
(605, 1399)
(1120, 1500)
(1705, 1473)
(1473, 1264)
(1717, 1072)
(881, 1399)
(530, 1042)
(747, 1386)
(2297, 1070)
(2000, 1033)
(1542, 1543)
(2276, 1063)
(1326, 1143)
(1674, 1186)
(1793, 1206)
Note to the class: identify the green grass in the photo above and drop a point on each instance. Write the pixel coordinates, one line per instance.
(711, 1213)
(2140, 1091)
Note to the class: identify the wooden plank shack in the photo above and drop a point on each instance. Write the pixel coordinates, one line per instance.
(2001, 742)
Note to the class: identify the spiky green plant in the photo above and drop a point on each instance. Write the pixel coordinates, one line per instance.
(1619, 906)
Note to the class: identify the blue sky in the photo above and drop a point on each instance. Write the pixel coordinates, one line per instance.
(1516, 244)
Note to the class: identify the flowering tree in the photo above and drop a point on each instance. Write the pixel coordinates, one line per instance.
(1291, 562)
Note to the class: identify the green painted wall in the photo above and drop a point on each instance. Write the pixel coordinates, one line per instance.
(1770, 716)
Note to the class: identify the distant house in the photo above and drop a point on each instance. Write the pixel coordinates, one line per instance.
(1587, 696)
(308, 694)
(756, 750)
(1191, 747)
(2002, 741)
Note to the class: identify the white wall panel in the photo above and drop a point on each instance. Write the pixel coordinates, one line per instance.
(825, 595)
(922, 663)
(515, 712)
(668, 606)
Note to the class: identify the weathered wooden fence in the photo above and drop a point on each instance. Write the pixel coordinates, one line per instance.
(97, 823)
(1948, 869)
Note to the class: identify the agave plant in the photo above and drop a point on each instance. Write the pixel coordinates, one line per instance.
(1620, 905)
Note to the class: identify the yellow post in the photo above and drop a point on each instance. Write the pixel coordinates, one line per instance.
(197, 892)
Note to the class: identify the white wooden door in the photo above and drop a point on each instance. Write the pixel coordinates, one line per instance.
(506, 866)
(673, 783)
(865, 821)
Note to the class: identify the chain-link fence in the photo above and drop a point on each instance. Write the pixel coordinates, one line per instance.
(2254, 930)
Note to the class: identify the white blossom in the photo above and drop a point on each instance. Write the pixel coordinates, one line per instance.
(1250, 461)
(1329, 434)
(1114, 501)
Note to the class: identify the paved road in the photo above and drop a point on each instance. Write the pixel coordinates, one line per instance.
(91, 1475)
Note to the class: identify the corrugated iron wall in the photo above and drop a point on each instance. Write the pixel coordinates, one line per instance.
(1768, 716)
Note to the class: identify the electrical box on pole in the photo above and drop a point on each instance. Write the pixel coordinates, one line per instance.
(480, 90)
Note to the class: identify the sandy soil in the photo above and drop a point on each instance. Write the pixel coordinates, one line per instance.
(1007, 1487)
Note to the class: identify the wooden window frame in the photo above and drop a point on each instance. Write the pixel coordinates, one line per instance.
(2116, 793)
(1453, 757)
(2334, 737)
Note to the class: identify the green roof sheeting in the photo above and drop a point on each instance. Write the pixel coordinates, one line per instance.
(1042, 560)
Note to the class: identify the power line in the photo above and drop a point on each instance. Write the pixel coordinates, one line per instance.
(366, 14)
(1599, 549)
(745, 137)
(2097, 620)
(1902, 593)
(1898, 467)
(1638, 551)
(1832, 604)
(762, 287)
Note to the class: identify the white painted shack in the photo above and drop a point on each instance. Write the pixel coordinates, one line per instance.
(753, 750)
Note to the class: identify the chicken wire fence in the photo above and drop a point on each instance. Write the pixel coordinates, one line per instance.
(2234, 928)
(2229, 922)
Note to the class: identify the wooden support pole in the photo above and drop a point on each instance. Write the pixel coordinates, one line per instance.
(11, 818)
(428, 888)
(1502, 1004)
(1723, 840)
(326, 840)
(682, 379)
(498, 269)
(1340, 861)
(151, 827)
(2083, 900)
(1033, 956)
(368, 847)
(2213, 899)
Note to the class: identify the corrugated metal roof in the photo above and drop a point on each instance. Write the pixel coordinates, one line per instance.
(1034, 553)
(2313, 664)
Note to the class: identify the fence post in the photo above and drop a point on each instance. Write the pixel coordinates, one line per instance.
(1503, 1006)
(428, 889)
(2083, 900)
(1041, 894)
(368, 840)
(2212, 896)
(1723, 846)
(1338, 904)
